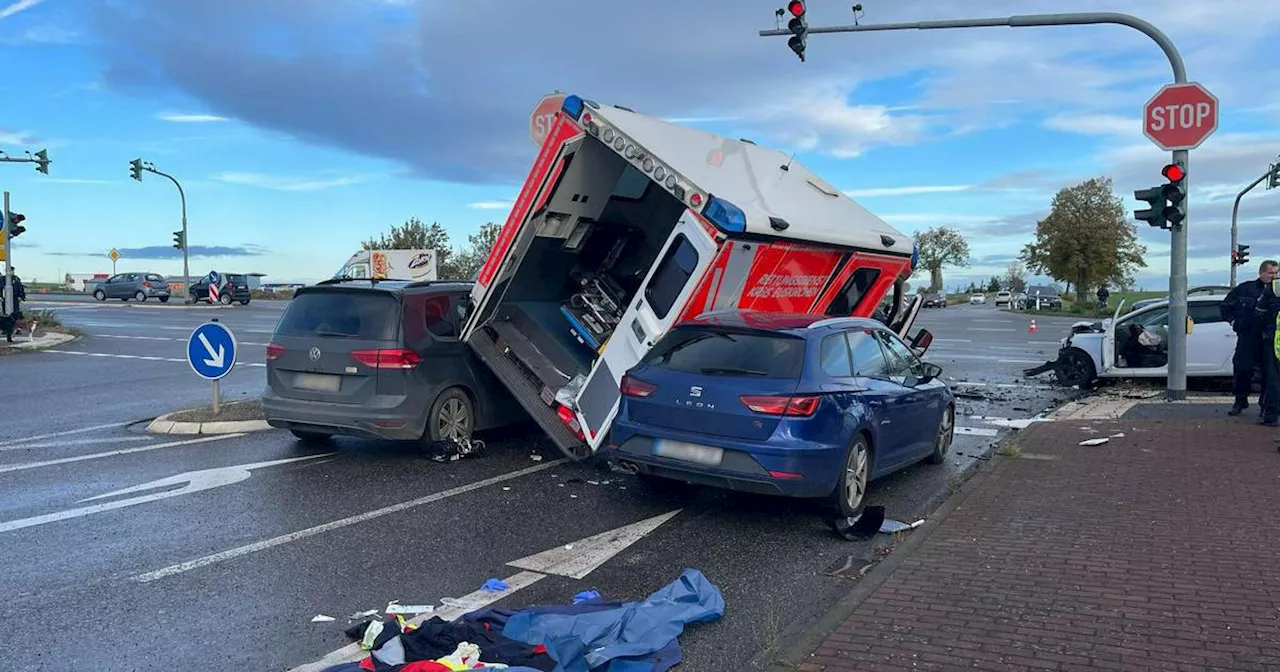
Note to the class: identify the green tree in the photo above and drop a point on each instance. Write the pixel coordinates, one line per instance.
(993, 285)
(1086, 239)
(465, 262)
(939, 247)
(1015, 277)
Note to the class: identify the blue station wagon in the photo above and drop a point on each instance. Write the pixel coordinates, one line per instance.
(792, 405)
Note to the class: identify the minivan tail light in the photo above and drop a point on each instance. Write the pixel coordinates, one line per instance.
(274, 350)
(801, 406)
(634, 387)
(387, 359)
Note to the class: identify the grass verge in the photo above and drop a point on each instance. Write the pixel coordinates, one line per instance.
(229, 412)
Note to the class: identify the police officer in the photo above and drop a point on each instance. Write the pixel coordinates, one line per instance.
(1266, 312)
(1240, 308)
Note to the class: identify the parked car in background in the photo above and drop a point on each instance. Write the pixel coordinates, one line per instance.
(783, 404)
(380, 360)
(1003, 298)
(137, 286)
(977, 299)
(235, 290)
(935, 300)
(1049, 298)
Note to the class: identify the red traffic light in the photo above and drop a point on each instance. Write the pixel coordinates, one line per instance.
(1174, 172)
(17, 217)
(796, 7)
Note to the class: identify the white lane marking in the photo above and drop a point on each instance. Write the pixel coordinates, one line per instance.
(142, 326)
(233, 553)
(195, 481)
(583, 557)
(76, 442)
(988, 358)
(965, 383)
(952, 340)
(149, 358)
(576, 559)
(988, 329)
(4, 469)
(976, 431)
(67, 432)
(160, 338)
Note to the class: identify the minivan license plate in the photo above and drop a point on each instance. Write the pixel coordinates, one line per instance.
(317, 382)
(688, 452)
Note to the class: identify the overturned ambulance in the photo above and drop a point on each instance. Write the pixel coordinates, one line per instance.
(628, 224)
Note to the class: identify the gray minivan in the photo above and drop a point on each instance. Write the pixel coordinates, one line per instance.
(137, 286)
(380, 359)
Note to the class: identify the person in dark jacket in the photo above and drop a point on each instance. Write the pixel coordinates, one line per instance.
(1266, 313)
(1240, 308)
(1103, 295)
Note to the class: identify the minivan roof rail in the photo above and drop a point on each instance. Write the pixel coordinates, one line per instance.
(428, 283)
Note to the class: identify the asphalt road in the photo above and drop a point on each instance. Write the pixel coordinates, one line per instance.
(224, 569)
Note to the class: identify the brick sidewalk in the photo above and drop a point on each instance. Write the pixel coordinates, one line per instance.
(1157, 551)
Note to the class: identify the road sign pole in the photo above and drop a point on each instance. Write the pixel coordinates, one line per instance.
(1235, 213)
(8, 259)
(1177, 378)
(217, 397)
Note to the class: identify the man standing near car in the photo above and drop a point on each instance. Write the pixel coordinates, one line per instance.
(1242, 309)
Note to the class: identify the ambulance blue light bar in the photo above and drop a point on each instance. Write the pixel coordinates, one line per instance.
(725, 215)
(572, 106)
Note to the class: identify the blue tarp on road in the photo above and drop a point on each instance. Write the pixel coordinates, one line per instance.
(625, 637)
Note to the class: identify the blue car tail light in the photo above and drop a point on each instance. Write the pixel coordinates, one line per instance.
(797, 406)
(725, 215)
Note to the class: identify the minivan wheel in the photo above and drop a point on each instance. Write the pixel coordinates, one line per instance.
(850, 496)
(946, 436)
(100, 295)
(452, 417)
(140, 297)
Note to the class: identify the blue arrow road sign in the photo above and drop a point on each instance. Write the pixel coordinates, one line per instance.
(211, 350)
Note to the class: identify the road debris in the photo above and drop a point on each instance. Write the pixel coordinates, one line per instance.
(361, 615)
(889, 526)
(849, 567)
(321, 618)
(494, 586)
(862, 527)
(1095, 442)
(396, 608)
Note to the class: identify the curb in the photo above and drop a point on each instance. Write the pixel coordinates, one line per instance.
(163, 425)
(19, 345)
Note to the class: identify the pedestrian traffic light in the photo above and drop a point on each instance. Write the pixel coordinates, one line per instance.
(1175, 194)
(42, 161)
(179, 240)
(1240, 256)
(135, 169)
(799, 27)
(15, 227)
(1153, 214)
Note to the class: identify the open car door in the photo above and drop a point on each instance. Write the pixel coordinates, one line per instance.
(1109, 340)
(903, 323)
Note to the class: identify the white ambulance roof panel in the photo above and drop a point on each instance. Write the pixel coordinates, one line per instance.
(751, 178)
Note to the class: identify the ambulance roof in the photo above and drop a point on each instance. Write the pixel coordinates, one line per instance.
(753, 178)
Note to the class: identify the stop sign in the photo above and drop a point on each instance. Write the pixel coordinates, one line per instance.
(544, 113)
(1180, 116)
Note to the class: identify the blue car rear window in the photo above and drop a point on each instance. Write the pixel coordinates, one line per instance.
(729, 353)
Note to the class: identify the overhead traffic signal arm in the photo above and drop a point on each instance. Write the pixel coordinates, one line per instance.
(799, 27)
(135, 169)
(42, 161)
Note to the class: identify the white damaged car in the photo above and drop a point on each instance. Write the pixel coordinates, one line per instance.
(1135, 345)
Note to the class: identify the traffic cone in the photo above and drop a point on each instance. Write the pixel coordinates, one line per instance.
(1032, 328)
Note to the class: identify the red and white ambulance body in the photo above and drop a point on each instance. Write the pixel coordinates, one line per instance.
(629, 224)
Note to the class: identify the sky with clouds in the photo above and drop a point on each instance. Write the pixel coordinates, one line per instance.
(299, 128)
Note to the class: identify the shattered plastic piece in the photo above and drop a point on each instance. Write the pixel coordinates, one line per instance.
(506, 487)
(568, 547)
(321, 618)
(889, 526)
(573, 496)
(395, 608)
(362, 614)
(1119, 435)
(1094, 442)
(568, 395)
(494, 586)
(536, 457)
(586, 595)
(861, 527)
(593, 482)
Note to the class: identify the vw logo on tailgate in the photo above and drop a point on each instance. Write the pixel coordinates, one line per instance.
(314, 354)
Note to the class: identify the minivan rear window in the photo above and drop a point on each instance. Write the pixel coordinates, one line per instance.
(373, 316)
(729, 353)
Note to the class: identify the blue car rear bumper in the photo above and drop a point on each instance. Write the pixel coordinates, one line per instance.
(746, 466)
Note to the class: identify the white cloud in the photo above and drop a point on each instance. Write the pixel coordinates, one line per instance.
(1094, 124)
(907, 191)
(490, 205)
(15, 138)
(820, 118)
(190, 118)
(19, 6)
(284, 183)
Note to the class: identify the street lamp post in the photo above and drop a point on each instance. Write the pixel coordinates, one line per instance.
(1272, 173)
(137, 166)
(1177, 385)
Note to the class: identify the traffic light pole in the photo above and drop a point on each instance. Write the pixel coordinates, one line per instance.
(186, 272)
(1177, 376)
(1235, 213)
